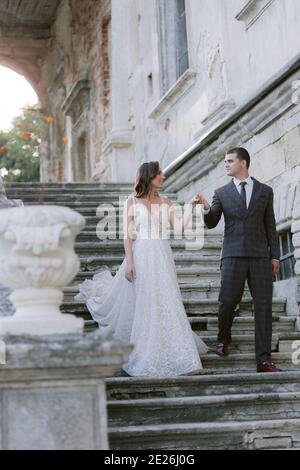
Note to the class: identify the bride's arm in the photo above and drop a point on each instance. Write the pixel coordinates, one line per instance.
(128, 224)
(183, 222)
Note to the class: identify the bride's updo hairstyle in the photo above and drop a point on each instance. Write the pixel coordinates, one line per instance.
(146, 173)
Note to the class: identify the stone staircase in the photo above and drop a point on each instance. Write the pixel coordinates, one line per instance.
(227, 406)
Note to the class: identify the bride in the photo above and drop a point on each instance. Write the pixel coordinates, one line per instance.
(142, 304)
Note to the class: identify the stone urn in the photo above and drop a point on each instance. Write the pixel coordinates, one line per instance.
(37, 260)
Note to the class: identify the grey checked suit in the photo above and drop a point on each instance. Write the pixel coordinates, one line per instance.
(250, 243)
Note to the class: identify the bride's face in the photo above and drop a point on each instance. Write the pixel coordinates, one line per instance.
(158, 180)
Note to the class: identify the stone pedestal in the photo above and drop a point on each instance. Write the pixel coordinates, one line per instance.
(52, 391)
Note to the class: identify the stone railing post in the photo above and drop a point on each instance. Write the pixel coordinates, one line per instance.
(37, 260)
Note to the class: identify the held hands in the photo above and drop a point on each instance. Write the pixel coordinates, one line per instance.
(130, 273)
(200, 199)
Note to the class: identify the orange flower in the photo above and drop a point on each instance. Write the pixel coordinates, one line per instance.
(2, 150)
(65, 140)
(26, 135)
(48, 119)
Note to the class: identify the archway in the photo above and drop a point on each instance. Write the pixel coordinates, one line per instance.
(15, 92)
(22, 128)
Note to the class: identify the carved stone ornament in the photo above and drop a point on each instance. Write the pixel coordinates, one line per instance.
(37, 260)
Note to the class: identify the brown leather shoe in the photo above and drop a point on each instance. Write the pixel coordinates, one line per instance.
(267, 367)
(222, 349)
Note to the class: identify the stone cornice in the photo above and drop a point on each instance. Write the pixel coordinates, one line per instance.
(261, 109)
(178, 90)
(252, 11)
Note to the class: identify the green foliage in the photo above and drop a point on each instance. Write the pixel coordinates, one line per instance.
(19, 147)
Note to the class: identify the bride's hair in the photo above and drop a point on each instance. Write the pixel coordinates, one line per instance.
(146, 172)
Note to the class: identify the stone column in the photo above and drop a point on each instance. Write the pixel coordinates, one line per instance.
(37, 260)
(296, 242)
(117, 147)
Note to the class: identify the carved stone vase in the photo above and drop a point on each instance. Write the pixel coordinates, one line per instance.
(37, 260)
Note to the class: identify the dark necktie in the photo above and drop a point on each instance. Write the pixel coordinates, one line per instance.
(243, 194)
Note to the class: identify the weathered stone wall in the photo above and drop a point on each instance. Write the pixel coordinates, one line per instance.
(78, 73)
(237, 51)
(228, 63)
(269, 127)
(99, 73)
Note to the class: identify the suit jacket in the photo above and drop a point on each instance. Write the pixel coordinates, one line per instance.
(250, 232)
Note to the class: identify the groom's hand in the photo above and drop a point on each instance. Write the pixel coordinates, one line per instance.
(275, 266)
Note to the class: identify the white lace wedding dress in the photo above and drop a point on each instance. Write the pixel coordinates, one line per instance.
(148, 312)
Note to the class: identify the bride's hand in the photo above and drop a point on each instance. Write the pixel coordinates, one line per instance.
(130, 272)
(200, 199)
(196, 200)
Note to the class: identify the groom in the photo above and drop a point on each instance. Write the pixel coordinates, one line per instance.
(250, 251)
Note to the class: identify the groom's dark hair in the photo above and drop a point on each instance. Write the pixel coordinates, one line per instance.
(241, 153)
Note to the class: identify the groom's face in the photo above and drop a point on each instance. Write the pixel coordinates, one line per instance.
(233, 165)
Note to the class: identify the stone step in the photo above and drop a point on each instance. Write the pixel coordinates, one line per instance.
(123, 191)
(113, 214)
(241, 343)
(185, 275)
(114, 232)
(233, 435)
(194, 291)
(117, 247)
(290, 342)
(205, 290)
(95, 198)
(195, 308)
(221, 408)
(245, 361)
(58, 185)
(93, 263)
(206, 326)
(94, 234)
(201, 306)
(89, 207)
(63, 199)
(124, 388)
(236, 363)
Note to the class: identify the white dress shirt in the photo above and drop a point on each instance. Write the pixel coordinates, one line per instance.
(248, 187)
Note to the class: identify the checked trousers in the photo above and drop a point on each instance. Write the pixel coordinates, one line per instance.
(258, 273)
